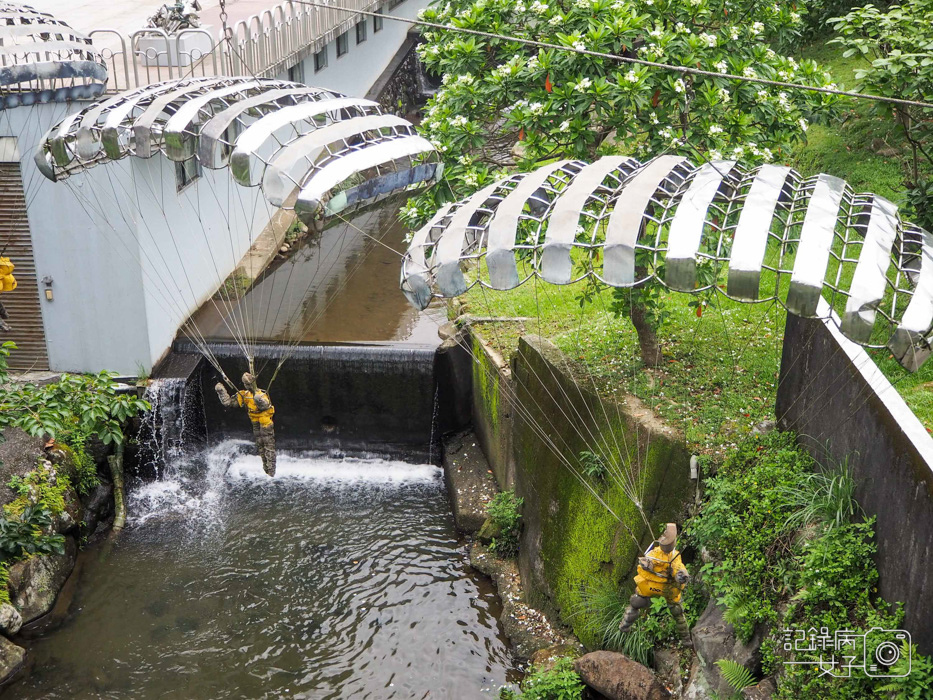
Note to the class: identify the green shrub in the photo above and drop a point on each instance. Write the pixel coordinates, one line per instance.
(593, 466)
(85, 470)
(560, 682)
(826, 498)
(504, 511)
(27, 534)
(742, 526)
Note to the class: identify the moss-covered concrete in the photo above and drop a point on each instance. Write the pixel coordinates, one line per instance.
(492, 407)
(571, 541)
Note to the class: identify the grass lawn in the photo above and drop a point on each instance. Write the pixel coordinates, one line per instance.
(720, 373)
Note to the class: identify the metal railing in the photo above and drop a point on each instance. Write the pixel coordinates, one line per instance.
(263, 45)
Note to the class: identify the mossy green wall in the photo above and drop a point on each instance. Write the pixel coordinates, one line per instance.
(571, 541)
(492, 414)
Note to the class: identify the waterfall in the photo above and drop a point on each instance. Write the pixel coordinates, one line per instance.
(171, 428)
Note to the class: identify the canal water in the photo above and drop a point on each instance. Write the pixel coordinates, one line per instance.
(336, 286)
(340, 578)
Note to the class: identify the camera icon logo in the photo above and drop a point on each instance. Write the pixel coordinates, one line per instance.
(883, 648)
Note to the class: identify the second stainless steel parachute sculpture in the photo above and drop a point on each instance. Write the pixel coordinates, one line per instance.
(310, 149)
(624, 222)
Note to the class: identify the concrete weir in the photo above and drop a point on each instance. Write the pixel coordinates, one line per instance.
(356, 398)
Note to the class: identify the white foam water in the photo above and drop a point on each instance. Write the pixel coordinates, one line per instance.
(195, 486)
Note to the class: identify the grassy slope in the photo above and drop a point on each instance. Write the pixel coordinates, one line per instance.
(720, 372)
(849, 149)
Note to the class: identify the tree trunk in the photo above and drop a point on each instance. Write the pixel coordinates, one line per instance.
(119, 506)
(647, 338)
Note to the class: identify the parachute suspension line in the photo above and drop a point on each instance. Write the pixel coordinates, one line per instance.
(196, 337)
(222, 291)
(597, 441)
(251, 337)
(625, 477)
(87, 206)
(233, 314)
(304, 328)
(185, 317)
(547, 436)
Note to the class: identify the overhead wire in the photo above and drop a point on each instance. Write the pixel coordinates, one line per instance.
(683, 70)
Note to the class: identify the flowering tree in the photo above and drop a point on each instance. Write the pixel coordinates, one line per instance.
(898, 45)
(504, 104)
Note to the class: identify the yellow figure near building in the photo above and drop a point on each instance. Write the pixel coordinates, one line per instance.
(661, 574)
(7, 284)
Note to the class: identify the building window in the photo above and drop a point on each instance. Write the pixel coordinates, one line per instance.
(395, 3)
(343, 44)
(377, 22)
(320, 60)
(361, 31)
(296, 73)
(186, 172)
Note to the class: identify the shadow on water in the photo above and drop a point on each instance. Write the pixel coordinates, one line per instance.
(341, 578)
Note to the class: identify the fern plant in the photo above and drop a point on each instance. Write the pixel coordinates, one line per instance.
(736, 675)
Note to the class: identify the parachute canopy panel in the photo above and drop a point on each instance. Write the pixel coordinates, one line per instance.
(42, 59)
(309, 149)
(765, 234)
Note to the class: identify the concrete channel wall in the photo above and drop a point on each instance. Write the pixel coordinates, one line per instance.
(844, 410)
(531, 418)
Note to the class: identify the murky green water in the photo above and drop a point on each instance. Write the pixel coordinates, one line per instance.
(338, 579)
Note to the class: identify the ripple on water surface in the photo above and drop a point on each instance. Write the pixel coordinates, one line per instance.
(339, 578)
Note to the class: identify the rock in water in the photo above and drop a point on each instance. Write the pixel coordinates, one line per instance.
(10, 620)
(36, 582)
(11, 658)
(617, 677)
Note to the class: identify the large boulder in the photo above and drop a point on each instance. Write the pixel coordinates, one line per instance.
(98, 506)
(617, 677)
(714, 638)
(11, 658)
(10, 620)
(35, 583)
(19, 454)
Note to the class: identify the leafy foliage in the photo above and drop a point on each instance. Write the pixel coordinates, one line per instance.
(824, 576)
(826, 498)
(28, 534)
(85, 469)
(593, 466)
(560, 682)
(86, 403)
(497, 93)
(742, 526)
(504, 510)
(897, 43)
(735, 674)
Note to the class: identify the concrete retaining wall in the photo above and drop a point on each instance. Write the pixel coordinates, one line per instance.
(571, 543)
(834, 396)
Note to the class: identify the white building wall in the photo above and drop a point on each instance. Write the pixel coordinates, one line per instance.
(130, 258)
(356, 71)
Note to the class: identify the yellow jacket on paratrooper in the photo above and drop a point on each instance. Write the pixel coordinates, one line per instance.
(7, 281)
(657, 575)
(254, 406)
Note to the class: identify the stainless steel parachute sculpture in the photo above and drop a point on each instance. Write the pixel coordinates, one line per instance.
(313, 150)
(624, 222)
(42, 59)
